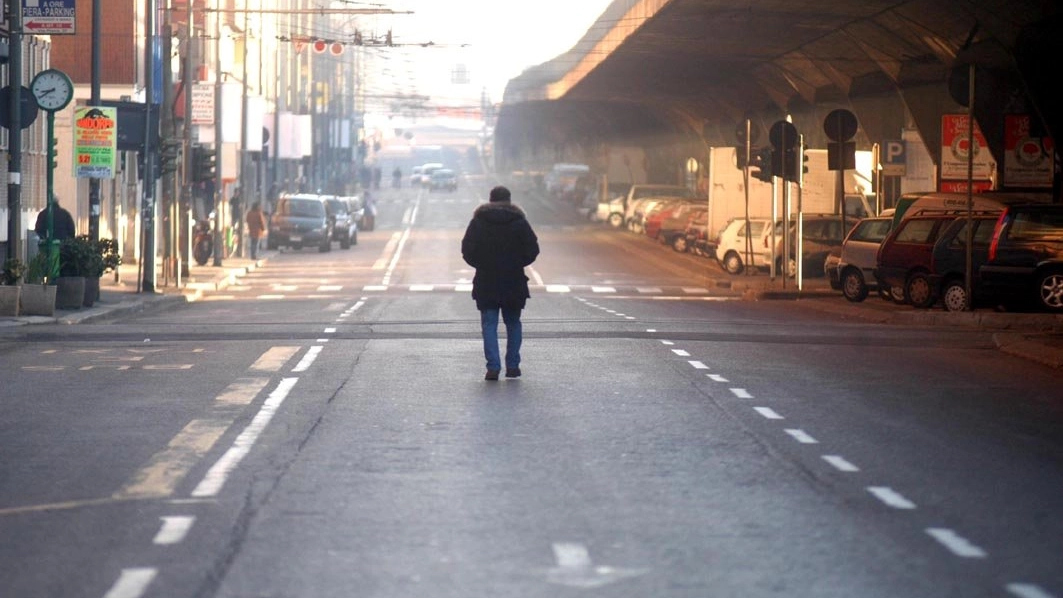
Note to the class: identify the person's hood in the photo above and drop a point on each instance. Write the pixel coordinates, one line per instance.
(498, 213)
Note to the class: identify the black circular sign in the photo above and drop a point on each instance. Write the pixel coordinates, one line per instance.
(783, 135)
(26, 101)
(840, 125)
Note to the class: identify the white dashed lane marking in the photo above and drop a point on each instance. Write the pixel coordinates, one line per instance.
(768, 412)
(890, 497)
(956, 544)
(840, 463)
(802, 437)
(131, 583)
(173, 530)
(740, 393)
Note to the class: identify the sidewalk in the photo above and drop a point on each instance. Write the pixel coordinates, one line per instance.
(125, 295)
(1031, 336)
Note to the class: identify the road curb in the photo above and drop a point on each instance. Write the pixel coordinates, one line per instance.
(1020, 345)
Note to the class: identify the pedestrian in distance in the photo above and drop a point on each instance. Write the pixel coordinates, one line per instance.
(63, 226)
(499, 242)
(256, 225)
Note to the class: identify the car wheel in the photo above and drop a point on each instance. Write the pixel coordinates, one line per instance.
(326, 246)
(616, 220)
(680, 244)
(894, 294)
(854, 288)
(345, 243)
(1050, 291)
(954, 297)
(732, 263)
(354, 237)
(917, 291)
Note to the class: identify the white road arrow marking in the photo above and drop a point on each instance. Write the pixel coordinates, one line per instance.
(574, 568)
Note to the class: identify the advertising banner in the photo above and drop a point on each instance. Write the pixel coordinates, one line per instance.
(1027, 159)
(954, 151)
(95, 142)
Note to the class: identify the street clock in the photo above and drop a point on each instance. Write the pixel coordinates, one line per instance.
(52, 90)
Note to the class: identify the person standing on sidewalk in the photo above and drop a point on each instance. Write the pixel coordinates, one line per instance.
(499, 242)
(256, 225)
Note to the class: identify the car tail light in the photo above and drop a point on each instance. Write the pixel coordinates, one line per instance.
(996, 235)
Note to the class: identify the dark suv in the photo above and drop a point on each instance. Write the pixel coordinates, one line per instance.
(948, 261)
(298, 220)
(1026, 256)
(344, 226)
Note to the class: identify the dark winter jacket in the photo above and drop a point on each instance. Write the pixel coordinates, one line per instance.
(499, 243)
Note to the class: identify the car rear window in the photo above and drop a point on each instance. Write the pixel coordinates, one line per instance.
(915, 230)
(306, 208)
(872, 231)
(1037, 225)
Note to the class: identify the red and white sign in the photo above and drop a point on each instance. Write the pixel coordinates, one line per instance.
(320, 46)
(1027, 160)
(49, 17)
(954, 151)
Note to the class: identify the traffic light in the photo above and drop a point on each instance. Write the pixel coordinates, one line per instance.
(760, 161)
(203, 160)
(169, 156)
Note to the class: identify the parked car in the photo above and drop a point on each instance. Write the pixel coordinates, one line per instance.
(415, 176)
(854, 263)
(696, 238)
(673, 221)
(643, 208)
(343, 220)
(732, 250)
(299, 220)
(562, 178)
(614, 211)
(443, 179)
(820, 234)
(903, 258)
(948, 261)
(1025, 258)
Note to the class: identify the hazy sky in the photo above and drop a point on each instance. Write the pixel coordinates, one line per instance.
(501, 38)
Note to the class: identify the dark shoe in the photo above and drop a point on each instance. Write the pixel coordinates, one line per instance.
(512, 372)
(492, 375)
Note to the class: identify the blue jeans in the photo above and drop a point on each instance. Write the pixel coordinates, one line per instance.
(489, 327)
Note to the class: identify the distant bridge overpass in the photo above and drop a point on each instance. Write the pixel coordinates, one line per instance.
(676, 76)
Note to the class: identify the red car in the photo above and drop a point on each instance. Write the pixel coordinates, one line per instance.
(905, 257)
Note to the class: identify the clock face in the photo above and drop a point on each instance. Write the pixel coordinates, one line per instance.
(52, 89)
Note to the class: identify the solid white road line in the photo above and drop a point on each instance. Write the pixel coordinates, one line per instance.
(956, 544)
(132, 583)
(218, 474)
(801, 436)
(890, 497)
(174, 529)
(768, 412)
(307, 359)
(840, 463)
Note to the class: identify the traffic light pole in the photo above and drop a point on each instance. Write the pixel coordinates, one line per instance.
(147, 256)
(219, 190)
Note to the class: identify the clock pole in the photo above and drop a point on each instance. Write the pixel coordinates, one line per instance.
(53, 244)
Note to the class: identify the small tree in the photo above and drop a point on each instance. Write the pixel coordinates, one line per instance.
(14, 269)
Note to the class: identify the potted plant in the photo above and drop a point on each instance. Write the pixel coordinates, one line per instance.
(106, 259)
(78, 260)
(38, 296)
(10, 289)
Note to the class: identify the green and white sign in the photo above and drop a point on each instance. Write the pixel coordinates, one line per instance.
(95, 142)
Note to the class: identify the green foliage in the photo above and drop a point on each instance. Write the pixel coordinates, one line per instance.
(81, 256)
(38, 270)
(14, 269)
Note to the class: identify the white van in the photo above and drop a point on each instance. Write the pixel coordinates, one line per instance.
(563, 177)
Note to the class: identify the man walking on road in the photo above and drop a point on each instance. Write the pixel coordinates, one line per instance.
(256, 225)
(499, 242)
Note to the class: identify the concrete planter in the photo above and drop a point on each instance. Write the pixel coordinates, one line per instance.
(9, 298)
(37, 300)
(70, 292)
(92, 291)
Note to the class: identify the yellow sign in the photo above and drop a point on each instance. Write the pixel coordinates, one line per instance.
(95, 142)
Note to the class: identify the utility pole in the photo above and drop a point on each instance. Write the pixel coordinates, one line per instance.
(94, 100)
(147, 209)
(14, 132)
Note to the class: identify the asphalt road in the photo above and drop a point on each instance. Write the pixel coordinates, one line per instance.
(322, 428)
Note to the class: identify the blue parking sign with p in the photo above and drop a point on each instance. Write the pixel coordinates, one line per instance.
(894, 161)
